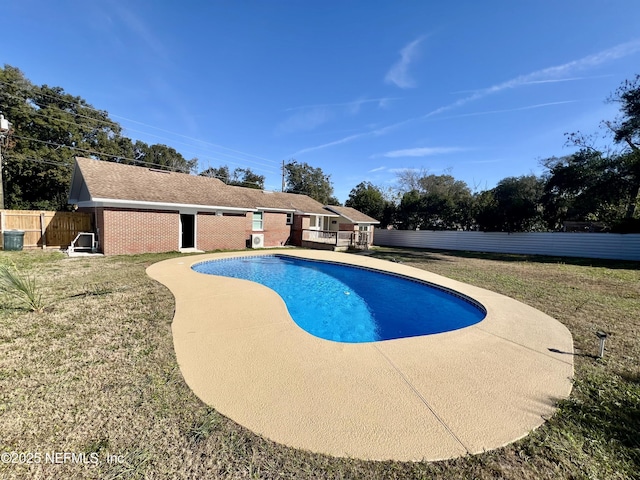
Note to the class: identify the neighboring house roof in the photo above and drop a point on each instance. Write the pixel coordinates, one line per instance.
(351, 214)
(102, 183)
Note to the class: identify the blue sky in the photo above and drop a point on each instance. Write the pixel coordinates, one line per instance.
(361, 89)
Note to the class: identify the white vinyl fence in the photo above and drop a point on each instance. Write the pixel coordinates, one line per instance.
(587, 245)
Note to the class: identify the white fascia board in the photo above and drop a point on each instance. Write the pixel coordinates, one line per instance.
(359, 222)
(268, 209)
(319, 214)
(114, 202)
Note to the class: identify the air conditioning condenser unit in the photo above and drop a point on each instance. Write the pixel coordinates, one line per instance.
(257, 240)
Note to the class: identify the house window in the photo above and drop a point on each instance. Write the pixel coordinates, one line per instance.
(257, 221)
(363, 228)
(289, 218)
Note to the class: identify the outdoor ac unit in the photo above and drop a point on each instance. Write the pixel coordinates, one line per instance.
(257, 240)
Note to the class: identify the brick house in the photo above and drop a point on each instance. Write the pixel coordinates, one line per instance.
(143, 210)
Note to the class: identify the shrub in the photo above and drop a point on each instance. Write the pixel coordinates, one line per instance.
(21, 287)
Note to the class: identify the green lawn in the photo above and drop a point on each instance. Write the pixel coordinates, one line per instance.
(95, 373)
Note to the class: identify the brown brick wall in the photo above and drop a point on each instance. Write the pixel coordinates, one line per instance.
(276, 231)
(130, 231)
(227, 232)
(139, 231)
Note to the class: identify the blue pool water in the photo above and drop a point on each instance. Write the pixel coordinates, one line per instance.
(350, 304)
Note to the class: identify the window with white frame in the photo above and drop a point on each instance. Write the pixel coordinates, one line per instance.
(289, 218)
(363, 228)
(257, 221)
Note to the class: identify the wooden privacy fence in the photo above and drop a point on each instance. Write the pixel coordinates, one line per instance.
(45, 229)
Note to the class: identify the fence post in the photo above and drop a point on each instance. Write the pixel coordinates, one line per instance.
(43, 231)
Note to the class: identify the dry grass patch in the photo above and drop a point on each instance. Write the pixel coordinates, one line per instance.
(96, 374)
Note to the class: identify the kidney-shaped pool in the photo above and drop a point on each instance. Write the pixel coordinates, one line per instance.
(352, 304)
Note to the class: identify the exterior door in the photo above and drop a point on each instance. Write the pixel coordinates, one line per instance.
(187, 231)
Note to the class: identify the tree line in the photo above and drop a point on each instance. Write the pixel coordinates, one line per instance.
(591, 189)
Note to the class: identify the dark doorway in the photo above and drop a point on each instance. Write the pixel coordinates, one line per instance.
(188, 230)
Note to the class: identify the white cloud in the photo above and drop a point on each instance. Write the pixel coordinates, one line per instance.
(384, 103)
(406, 169)
(331, 144)
(305, 120)
(140, 29)
(566, 69)
(507, 110)
(399, 72)
(548, 74)
(535, 82)
(350, 106)
(422, 152)
(308, 117)
(378, 169)
(371, 133)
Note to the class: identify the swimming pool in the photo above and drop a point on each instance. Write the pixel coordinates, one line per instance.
(427, 397)
(349, 304)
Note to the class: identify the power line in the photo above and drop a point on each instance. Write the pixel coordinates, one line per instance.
(40, 160)
(206, 156)
(146, 125)
(93, 152)
(112, 124)
(198, 140)
(118, 157)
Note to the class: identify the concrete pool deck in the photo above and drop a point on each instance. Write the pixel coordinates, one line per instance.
(420, 398)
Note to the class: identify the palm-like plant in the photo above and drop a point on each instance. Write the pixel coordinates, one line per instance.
(22, 287)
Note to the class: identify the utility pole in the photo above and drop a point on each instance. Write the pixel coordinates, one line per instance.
(4, 129)
(283, 175)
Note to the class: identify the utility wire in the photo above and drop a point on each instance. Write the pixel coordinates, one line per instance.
(111, 124)
(70, 165)
(94, 152)
(119, 157)
(40, 160)
(141, 123)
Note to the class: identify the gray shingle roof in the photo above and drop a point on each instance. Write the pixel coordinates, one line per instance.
(116, 181)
